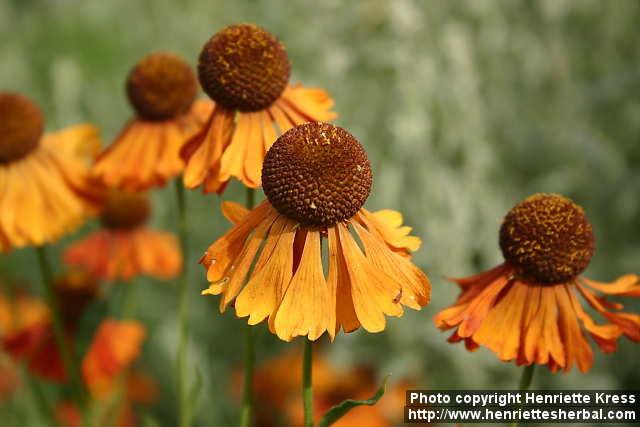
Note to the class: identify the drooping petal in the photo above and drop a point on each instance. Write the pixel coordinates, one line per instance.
(627, 285)
(123, 254)
(227, 248)
(144, 155)
(342, 312)
(416, 289)
(374, 293)
(387, 224)
(203, 151)
(236, 273)
(233, 211)
(576, 346)
(304, 308)
(263, 293)
(312, 104)
(47, 193)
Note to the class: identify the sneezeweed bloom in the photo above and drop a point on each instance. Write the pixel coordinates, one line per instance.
(106, 370)
(527, 309)
(246, 70)
(162, 90)
(27, 329)
(277, 388)
(125, 247)
(115, 346)
(316, 178)
(44, 180)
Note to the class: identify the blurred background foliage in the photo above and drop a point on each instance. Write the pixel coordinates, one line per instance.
(465, 108)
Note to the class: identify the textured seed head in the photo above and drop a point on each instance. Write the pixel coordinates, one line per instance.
(125, 210)
(161, 86)
(21, 126)
(317, 174)
(243, 67)
(547, 238)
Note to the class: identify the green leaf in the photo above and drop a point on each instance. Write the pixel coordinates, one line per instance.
(338, 411)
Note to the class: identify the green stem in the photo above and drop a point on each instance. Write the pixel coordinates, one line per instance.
(36, 394)
(183, 303)
(249, 356)
(58, 327)
(525, 383)
(129, 300)
(307, 390)
(247, 394)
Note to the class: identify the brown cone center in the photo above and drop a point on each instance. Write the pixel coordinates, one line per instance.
(124, 210)
(21, 126)
(161, 86)
(243, 67)
(547, 238)
(317, 174)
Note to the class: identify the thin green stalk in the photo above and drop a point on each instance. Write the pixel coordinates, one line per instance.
(247, 394)
(128, 306)
(183, 303)
(249, 356)
(38, 397)
(525, 383)
(58, 327)
(307, 390)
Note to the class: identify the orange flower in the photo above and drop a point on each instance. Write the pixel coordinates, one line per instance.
(161, 89)
(26, 328)
(44, 187)
(527, 308)
(316, 178)
(115, 346)
(277, 388)
(26, 332)
(125, 248)
(105, 368)
(245, 70)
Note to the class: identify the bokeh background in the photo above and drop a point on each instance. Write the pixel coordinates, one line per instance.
(465, 108)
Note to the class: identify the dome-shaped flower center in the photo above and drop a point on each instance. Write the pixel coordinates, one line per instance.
(161, 86)
(21, 126)
(124, 210)
(317, 174)
(75, 290)
(547, 238)
(244, 67)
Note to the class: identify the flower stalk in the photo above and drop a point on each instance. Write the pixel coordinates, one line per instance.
(249, 357)
(525, 383)
(58, 327)
(183, 303)
(307, 390)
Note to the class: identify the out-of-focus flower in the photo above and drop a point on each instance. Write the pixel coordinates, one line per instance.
(277, 388)
(106, 370)
(27, 334)
(115, 346)
(162, 89)
(124, 247)
(245, 70)
(26, 327)
(44, 179)
(527, 308)
(316, 178)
